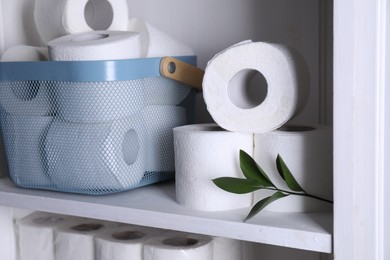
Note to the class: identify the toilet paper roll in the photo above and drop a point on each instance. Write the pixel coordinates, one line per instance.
(26, 97)
(75, 240)
(307, 152)
(23, 140)
(159, 122)
(96, 157)
(205, 152)
(36, 235)
(7, 235)
(96, 102)
(56, 18)
(96, 45)
(124, 242)
(227, 249)
(227, 92)
(156, 43)
(179, 246)
(25, 53)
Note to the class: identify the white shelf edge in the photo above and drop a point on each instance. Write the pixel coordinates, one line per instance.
(155, 206)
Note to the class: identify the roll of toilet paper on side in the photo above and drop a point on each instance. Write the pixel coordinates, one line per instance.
(227, 92)
(96, 45)
(99, 101)
(124, 242)
(307, 152)
(96, 157)
(205, 152)
(25, 53)
(179, 246)
(56, 18)
(159, 122)
(227, 248)
(156, 43)
(26, 97)
(24, 145)
(36, 235)
(75, 240)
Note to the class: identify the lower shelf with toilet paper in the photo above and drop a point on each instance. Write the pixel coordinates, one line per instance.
(92, 127)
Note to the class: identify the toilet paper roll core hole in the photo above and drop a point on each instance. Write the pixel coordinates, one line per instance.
(98, 14)
(130, 147)
(180, 241)
(27, 91)
(128, 235)
(248, 88)
(87, 227)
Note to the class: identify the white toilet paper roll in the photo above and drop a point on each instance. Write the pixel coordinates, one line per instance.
(124, 242)
(99, 101)
(75, 240)
(96, 45)
(25, 97)
(56, 18)
(307, 152)
(159, 122)
(227, 89)
(227, 249)
(179, 246)
(156, 43)
(96, 157)
(25, 53)
(8, 234)
(205, 152)
(24, 142)
(36, 235)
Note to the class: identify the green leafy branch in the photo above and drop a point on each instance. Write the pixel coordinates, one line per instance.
(256, 179)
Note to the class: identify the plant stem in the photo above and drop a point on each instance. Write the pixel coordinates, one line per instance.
(299, 194)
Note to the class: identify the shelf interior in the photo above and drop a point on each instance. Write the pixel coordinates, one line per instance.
(155, 206)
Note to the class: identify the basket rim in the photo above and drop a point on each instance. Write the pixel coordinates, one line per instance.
(85, 71)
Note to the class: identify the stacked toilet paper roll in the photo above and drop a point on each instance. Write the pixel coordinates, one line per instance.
(202, 153)
(159, 122)
(179, 246)
(307, 152)
(156, 43)
(96, 45)
(96, 157)
(24, 143)
(75, 240)
(123, 242)
(56, 18)
(226, 93)
(25, 53)
(36, 235)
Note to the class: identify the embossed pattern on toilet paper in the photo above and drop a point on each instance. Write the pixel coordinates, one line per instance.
(308, 154)
(205, 152)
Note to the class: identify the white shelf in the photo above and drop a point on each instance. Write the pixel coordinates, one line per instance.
(155, 206)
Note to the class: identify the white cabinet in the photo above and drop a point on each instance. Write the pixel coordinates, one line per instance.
(360, 104)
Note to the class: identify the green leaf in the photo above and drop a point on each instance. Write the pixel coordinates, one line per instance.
(286, 174)
(259, 206)
(236, 185)
(252, 171)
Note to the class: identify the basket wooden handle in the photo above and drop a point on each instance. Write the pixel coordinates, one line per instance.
(183, 72)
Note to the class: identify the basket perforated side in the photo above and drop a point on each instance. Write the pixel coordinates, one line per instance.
(92, 137)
